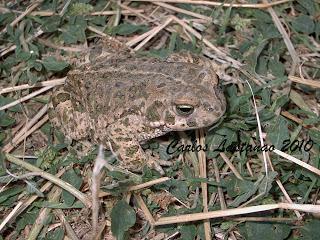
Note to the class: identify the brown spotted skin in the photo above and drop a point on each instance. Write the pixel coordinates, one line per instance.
(125, 100)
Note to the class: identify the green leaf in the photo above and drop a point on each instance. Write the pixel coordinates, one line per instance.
(76, 181)
(5, 120)
(310, 6)
(52, 64)
(276, 67)
(48, 204)
(7, 100)
(188, 232)
(10, 192)
(299, 101)
(57, 234)
(303, 24)
(179, 189)
(123, 217)
(27, 218)
(2, 137)
(265, 231)
(243, 189)
(278, 131)
(220, 140)
(311, 230)
(125, 29)
(236, 187)
(74, 31)
(51, 23)
(279, 102)
(256, 52)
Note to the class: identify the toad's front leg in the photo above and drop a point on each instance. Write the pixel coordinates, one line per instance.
(124, 136)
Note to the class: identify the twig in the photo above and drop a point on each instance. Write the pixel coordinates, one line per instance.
(24, 132)
(25, 98)
(297, 161)
(10, 216)
(43, 215)
(152, 33)
(67, 49)
(231, 166)
(222, 200)
(218, 4)
(123, 12)
(204, 185)
(144, 209)
(140, 186)
(309, 208)
(180, 10)
(66, 224)
(97, 31)
(308, 82)
(53, 83)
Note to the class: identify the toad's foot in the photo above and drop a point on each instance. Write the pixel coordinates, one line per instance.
(156, 163)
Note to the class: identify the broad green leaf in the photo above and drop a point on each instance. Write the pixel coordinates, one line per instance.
(278, 131)
(2, 137)
(51, 23)
(52, 64)
(76, 181)
(179, 189)
(56, 234)
(236, 187)
(74, 31)
(10, 192)
(299, 101)
(310, 6)
(125, 29)
(245, 190)
(54, 205)
(255, 53)
(188, 231)
(123, 217)
(265, 231)
(7, 100)
(303, 24)
(26, 218)
(276, 68)
(311, 230)
(5, 120)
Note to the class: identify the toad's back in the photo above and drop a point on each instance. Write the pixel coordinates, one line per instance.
(120, 86)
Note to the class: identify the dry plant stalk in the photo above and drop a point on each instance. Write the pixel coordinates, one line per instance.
(308, 208)
(204, 185)
(52, 83)
(218, 4)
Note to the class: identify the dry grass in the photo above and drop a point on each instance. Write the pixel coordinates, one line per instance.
(166, 20)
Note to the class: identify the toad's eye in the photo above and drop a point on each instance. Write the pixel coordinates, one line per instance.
(184, 110)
